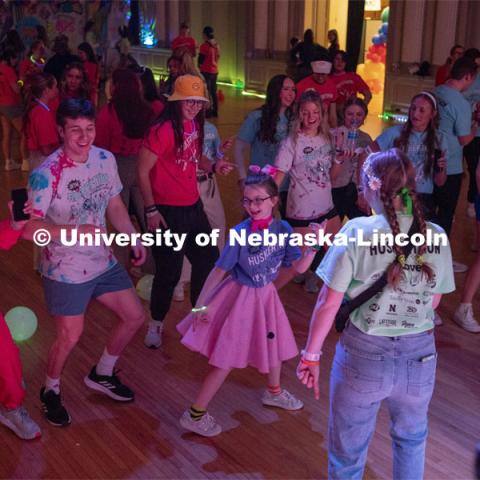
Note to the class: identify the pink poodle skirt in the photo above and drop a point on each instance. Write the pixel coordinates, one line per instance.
(246, 327)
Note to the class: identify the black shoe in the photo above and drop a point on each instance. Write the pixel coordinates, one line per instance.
(109, 385)
(53, 408)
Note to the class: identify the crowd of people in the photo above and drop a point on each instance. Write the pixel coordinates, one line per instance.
(148, 161)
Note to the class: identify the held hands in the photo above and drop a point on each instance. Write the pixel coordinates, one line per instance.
(308, 374)
(19, 224)
(223, 167)
(228, 143)
(200, 314)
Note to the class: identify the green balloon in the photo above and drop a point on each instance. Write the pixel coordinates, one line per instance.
(385, 14)
(22, 323)
(144, 287)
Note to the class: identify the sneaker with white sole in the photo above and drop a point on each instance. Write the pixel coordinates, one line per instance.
(110, 385)
(207, 426)
(53, 408)
(471, 210)
(459, 267)
(437, 320)
(153, 338)
(19, 421)
(284, 400)
(463, 316)
(179, 292)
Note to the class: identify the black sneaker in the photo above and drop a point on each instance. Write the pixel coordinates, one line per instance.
(109, 385)
(53, 408)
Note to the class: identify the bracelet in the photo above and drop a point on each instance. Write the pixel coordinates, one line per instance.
(309, 362)
(199, 309)
(311, 357)
(339, 162)
(149, 208)
(151, 214)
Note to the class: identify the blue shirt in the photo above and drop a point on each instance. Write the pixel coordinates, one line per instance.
(257, 266)
(472, 94)
(263, 153)
(416, 151)
(455, 116)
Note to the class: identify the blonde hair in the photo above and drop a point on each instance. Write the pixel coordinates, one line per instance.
(311, 96)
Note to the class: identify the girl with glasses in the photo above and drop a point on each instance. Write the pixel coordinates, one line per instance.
(240, 321)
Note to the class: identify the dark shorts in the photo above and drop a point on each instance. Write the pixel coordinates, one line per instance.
(73, 298)
(11, 111)
(305, 223)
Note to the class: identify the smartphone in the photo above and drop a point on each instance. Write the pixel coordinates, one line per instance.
(19, 197)
(437, 154)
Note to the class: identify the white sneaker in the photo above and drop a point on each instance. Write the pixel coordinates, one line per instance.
(459, 267)
(207, 426)
(20, 422)
(11, 165)
(471, 210)
(179, 292)
(463, 316)
(153, 338)
(437, 320)
(284, 400)
(25, 166)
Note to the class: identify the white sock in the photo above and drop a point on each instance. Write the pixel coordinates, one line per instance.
(52, 384)
(154, 324)
(106, 364)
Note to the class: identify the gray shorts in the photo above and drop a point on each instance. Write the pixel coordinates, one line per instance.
(73, 298)
(11, 111)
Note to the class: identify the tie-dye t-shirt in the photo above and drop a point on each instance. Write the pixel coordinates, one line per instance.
(68, 193)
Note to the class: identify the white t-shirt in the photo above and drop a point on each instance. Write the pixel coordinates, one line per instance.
(353, 268)
(68, 193)
(307, 160)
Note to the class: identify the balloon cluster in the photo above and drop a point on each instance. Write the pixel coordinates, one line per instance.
(378, 50)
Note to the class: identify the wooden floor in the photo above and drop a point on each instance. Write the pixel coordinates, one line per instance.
(144, 439)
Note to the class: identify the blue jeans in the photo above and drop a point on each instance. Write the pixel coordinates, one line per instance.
(366, 370)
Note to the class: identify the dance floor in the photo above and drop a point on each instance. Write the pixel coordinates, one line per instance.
(144, 439)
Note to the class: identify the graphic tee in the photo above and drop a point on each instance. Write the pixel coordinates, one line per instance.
(307, 159)
(257, 266)
(416, 152)
(353, 268)
(68, 193)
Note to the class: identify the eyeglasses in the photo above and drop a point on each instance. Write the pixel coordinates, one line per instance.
(194, 103)
(258, 202)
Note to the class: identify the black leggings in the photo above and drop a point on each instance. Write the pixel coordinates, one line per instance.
(190, 220)
(446, 199)
(345, 201)
(471, 153)
(211, 80)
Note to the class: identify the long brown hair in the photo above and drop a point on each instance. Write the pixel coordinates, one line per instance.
(134, 113)
(431, 138)
(35, 85)
(84, 89)
(395, 171)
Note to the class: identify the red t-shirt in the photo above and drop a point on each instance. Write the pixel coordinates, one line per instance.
(211, 55)
(7, 95)
(41, 128)
(157, 106)
(327, 90)
(8, 236)
(189, 42)
(110, 136)
(442, 75)
(27, 67)
(348, 85)
(174, 175)
(91, 70)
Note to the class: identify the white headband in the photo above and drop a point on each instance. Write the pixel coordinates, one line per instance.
(430, 96)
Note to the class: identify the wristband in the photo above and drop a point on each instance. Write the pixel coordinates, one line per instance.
(310, 363)
(311, 357)
(151, 214)
(199, 309)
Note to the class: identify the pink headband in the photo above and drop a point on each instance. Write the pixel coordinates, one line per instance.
(267, 169)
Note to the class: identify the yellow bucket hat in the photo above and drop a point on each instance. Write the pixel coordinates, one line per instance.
(188, 87)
